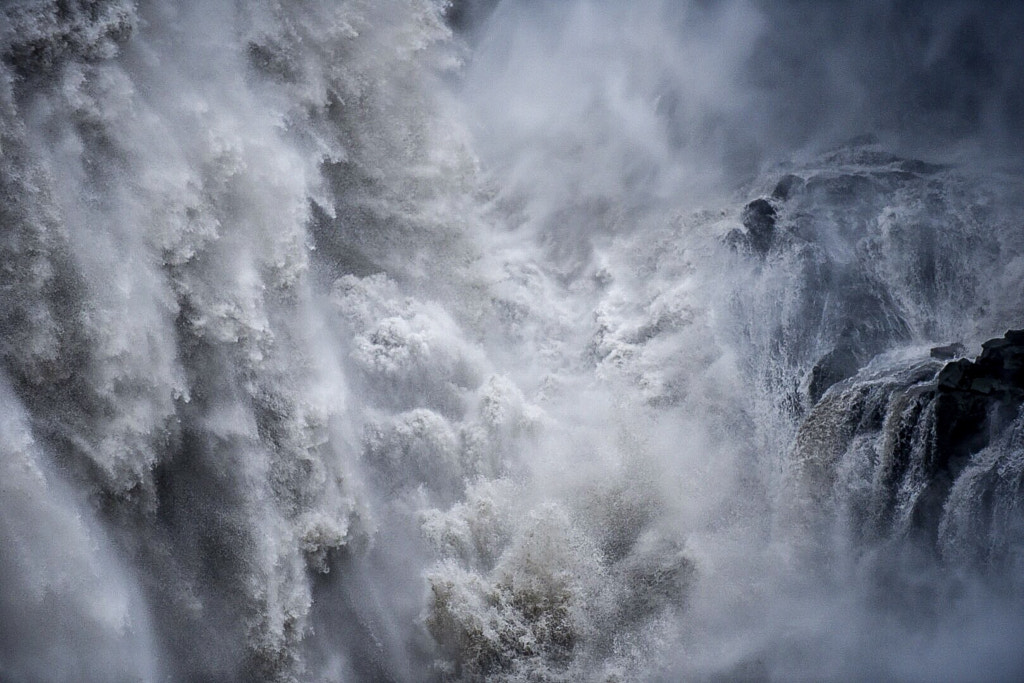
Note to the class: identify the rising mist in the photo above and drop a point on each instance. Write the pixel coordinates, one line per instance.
(529, 341)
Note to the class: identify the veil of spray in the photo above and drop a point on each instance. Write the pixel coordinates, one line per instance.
(441, 340)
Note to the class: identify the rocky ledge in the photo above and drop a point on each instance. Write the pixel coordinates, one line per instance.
(912, 432)
(975, 400)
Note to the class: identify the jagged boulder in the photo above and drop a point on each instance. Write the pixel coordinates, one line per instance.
(998, 372)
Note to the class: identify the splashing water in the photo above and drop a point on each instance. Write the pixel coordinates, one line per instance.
(410, 340)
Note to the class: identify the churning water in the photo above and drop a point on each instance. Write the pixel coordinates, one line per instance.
(520, 340)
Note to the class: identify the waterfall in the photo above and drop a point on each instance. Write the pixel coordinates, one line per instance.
(423, 340)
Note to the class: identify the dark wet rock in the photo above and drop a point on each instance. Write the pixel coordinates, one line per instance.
(834, 189)
(860, 180)
(759, 220)
(948, 351)
(976, 399)
(972, 404)
(915, 428)
(838, 364)
(788, 185)
(463, 15)
(997, 372)
(759, 217)
(873, 322)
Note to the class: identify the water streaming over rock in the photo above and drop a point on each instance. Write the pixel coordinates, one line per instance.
(414, 340)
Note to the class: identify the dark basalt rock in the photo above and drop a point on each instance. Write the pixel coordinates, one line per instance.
(871, 324)
(998, 372)
(954, 350)
(838, 364)
(759, 220)
(972, 404)
(464, 15)
(927, 422)
(975, 399)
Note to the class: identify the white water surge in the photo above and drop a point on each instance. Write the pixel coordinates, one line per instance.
(529, 341)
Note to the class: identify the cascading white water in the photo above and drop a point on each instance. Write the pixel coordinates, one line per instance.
(583, 343)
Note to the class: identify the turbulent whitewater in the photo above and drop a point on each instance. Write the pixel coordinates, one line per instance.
(365, 340)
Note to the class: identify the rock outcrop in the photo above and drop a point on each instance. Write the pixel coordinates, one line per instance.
(759, 218)
(892, 443)
(975, 400)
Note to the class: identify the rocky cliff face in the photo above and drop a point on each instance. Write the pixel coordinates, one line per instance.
(901, 444)
(870, 259)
